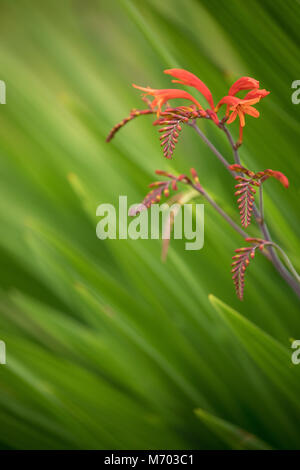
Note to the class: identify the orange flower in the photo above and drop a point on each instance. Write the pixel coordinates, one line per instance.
(239, 108)
(164, 95)
(188, 78)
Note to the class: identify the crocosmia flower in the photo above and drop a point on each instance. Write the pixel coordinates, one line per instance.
(239, 108)
(164, 95)
(172, 118)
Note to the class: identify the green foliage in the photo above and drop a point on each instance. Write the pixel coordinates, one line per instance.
(107, 347)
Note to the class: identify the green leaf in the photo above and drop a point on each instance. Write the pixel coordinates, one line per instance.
(235, 437)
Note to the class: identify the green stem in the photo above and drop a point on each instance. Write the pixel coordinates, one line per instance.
(287, 260)
(220, 210)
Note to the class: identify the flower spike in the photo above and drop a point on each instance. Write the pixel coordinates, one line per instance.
(159, 188)
(133, 114)
(247, 182)
(171, 121)
(241, 261)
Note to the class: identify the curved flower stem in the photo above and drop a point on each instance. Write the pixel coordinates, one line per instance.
(285, 274)
(211, 146)
(287, 260)
(261, 203)
(233, 145)
(277, 263)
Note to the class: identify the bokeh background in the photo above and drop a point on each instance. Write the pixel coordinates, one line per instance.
(108, 347)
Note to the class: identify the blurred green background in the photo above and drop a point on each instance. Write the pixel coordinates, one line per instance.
(107, 347)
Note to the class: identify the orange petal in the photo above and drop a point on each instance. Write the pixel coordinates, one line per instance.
(243, 83)
(159, 102)
(232, 117)
(231, 100)
(164, 95)
(250, 102)
(147, 89)
(256, 94)
(188, 78)
(279, 176)
(251, 111)
(242, 118)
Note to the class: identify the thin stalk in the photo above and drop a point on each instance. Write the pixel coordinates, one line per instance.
(220, 211)
(277, 263)
(287, 260)
(211, 146)
(261, 203)
(233, 145)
